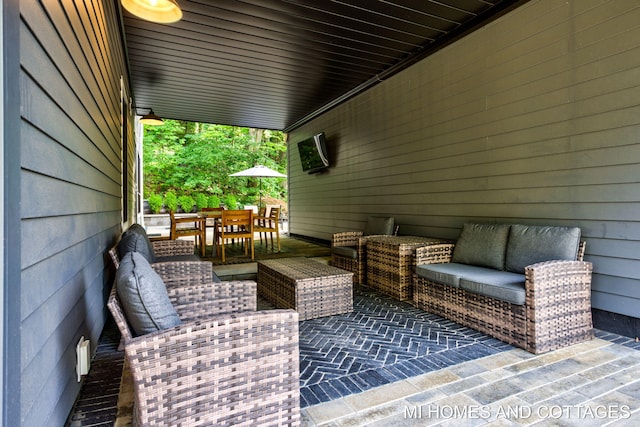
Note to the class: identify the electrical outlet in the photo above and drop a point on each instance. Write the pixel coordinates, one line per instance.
(83, 360)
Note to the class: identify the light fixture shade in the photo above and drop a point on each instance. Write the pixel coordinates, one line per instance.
(151, 119)
(161, 11)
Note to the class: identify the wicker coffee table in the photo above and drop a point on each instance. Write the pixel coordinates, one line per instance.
(311, 288)
(391, 261)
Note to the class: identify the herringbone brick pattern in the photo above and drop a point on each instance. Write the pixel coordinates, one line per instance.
(383, 340)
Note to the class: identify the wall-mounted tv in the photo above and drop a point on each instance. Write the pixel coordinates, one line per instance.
(313, 154)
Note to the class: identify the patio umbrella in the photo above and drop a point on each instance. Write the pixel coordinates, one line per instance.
(260, 171)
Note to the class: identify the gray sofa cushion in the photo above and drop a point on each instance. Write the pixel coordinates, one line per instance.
(447, 273)
(143, 296)
(136, 242)
(345, 251)
(502, 285)
(136, 228)
(379, 225)
(482, 244)
(529, 244)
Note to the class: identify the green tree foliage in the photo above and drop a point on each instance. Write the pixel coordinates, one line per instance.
(188, 158)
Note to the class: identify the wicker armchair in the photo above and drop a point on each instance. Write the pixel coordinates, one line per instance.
(349, 248)
(175, 261)
(175, 273)
(164, 249)
(226, 364)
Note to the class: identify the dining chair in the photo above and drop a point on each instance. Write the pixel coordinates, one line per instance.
(258, 220)
(212, 221)
(269, 224)
(188, 226)
(237, 224)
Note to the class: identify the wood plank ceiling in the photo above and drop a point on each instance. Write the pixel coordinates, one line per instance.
(275, 64)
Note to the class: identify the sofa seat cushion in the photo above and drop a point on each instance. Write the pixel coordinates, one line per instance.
(143, 296)
(501, 285)
(530, 244)
(345, 251)
(136, 242)
(448, 273)
(483, 245)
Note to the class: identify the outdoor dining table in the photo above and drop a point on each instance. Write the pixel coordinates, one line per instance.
(216, 215)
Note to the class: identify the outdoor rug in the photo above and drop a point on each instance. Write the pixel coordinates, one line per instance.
(382, 341)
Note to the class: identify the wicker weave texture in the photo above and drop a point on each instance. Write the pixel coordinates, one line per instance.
(181, 273)
(193, 302)
(233, 370)
(557, 310)
(391, 261)
(311, 288)
(173, 247)
(558, 303)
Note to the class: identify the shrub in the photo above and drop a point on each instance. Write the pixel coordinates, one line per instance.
(171, 201)
(155, 203)
(186, 203)
(231, 201)
(213, 202)
(201, 201)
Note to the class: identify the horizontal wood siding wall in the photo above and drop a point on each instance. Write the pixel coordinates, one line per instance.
(72, 59)
(532, 119)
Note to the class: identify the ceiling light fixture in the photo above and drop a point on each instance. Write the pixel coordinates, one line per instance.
(151, 119)
(160, 11)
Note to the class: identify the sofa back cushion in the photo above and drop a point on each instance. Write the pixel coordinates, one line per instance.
(143, 296)
(482, 245)
(529, 244)
(379, 225)
(134, 241)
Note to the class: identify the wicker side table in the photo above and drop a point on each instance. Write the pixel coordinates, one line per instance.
(391, 261)
(311, 288)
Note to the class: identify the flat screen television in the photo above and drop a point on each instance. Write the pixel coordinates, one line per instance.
(313, 154)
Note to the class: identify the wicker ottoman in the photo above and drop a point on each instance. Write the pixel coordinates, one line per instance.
(391, 261)
(311, 288)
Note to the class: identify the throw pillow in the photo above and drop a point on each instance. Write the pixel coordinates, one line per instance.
(529, 244)
(143, 296)
(379, 225)
(138, 229)
(136, 242)
(482, 245)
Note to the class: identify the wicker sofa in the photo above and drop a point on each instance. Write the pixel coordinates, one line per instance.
(201, 355)
(525, 285)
